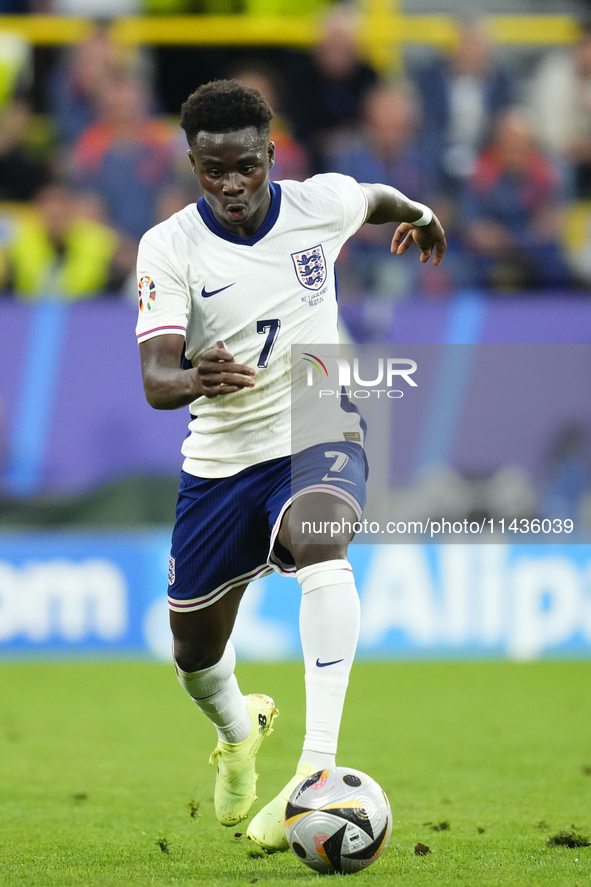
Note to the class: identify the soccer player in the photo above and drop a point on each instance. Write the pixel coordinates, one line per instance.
(226, 286)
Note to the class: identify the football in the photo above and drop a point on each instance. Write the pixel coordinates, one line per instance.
(338, 820)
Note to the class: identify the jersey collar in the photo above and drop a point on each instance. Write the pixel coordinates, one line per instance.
(214, 226)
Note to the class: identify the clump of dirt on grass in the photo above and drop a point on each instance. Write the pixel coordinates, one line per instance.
(568, 839)
(443, 826)
(163, 844)
(422, 849)
(193, 806)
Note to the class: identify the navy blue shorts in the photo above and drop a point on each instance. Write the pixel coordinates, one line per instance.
(226, 528)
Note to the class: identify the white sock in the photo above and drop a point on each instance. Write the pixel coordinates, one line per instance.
(329, 628)
(216, 692)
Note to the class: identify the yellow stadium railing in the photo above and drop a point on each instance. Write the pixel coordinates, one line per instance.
(382, 31)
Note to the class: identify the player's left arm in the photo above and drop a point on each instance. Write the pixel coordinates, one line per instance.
(416, 222)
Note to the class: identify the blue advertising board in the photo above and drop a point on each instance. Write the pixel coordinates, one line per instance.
(105, 595)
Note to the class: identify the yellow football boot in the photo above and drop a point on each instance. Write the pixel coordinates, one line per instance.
(235, 784)
(267, 829)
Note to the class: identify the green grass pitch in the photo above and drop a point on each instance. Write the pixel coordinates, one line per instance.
(104, 777)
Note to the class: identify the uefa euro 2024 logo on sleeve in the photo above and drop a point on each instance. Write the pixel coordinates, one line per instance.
(310, 267)
(146, 293)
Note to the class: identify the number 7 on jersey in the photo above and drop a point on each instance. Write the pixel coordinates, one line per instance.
(271, 327)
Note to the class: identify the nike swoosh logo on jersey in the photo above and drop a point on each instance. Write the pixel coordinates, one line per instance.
(207, 295)
(324, 664)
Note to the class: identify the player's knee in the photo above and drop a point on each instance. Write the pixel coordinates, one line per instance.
(319, 521)
(310, 537)
(199, 638)
(307, 554)
(191, 656)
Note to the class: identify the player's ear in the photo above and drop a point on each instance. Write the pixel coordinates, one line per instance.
(192, 160)
(271, 154)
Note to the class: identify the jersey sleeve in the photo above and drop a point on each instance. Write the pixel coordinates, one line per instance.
(347, 199)
(164, 299)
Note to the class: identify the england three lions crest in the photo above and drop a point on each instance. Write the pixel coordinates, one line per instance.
(310, 267)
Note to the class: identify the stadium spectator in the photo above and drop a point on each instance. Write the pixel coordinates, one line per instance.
(127, 157)
(561, 101)
(75, 85)
(330, 87)
(58, 251)
(291, 161)
(566, 476)
(21, 172)
(460, 96)
(384, 150)
(511, 210)
(576, 234)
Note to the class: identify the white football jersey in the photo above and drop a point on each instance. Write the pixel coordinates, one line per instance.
(259, 295)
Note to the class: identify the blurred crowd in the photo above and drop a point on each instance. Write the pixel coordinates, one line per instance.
(504, 160)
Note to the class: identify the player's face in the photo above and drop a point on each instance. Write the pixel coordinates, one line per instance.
(233, 173)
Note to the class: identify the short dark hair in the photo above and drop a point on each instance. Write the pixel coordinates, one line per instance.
(224, 106)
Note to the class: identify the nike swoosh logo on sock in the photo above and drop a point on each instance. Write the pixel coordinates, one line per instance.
(324, 664)
(207, 295)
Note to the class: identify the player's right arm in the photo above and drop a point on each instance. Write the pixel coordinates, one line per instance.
(164, 311)
(168, 387)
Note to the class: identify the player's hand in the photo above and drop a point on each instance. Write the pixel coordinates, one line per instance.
(218, 374)
(430, 239)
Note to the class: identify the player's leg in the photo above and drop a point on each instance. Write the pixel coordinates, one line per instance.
(205, 661)
(213, 557)
(329, 629)
(329, 619)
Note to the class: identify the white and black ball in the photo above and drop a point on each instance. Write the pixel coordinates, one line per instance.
(338, 820)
